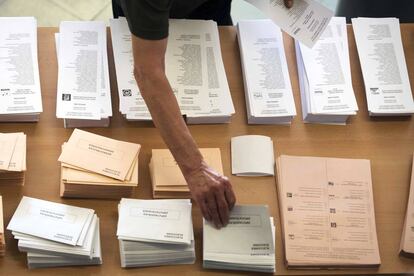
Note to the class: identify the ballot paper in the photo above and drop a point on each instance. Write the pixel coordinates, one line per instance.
(246, 243)
(84, 95)
(162, 221)
(407, 237)
(48, 220)
(100, 154)
(155, 232)
(194, 68)
(327, 212)
(12, 158)
(20, 94)
(381, 53)
(267, 87)
(252, 155)
(166, 176)
(325, 77)
(2, 237)
(305, 21)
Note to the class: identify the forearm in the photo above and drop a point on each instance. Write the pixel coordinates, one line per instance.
(166, 116)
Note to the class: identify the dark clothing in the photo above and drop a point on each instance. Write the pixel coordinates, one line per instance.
(402, 9)
(148, 19)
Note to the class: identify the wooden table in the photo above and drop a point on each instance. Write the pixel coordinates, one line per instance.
(387, 142)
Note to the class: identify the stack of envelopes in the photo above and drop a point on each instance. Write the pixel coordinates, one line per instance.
(2, 237)
(166, 177)
(12, 158)
(93, 166)
(155, 232)
(56, 234)
(246, 243)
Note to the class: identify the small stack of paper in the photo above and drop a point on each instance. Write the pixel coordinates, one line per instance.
(12, 158)
(93, 166)
(407, 237)
(2, 237)
(327, 212)
(194, 68)
(83, 93)
(56, 234)
(268, 92)
(155, 232)
(386, 79)
(246, 243)
(252, 155)
(166, 177)
(20, 94)
(325, 77)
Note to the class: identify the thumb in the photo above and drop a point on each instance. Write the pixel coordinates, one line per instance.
(288, 3)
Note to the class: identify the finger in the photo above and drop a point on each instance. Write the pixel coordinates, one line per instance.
(212, 209)
(223, 208)
(229, 193)
(204, 210)
(288, 3)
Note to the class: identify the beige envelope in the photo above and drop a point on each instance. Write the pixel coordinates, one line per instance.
(7, 145)
(18, 159)
(407, 237)
(99, 154)
(165, 171)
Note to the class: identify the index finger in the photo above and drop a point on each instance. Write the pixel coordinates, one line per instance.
(288, 3)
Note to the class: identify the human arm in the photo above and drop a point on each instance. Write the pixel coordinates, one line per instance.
(211, 191)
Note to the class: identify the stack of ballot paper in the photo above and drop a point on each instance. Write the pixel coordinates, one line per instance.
(194, 68)
(56, 234)
(327, 212)
(268, 92)
(166, 177)
(2, 237)
(93, 166)
(155, 232)
(325, 77)
(246, 243)
(381, 53)
(21, 99)
(252, 155)
(12, 158)
(84, 92)
(407, 237)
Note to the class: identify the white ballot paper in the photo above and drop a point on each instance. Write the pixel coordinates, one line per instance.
(194, 68)
(246, 243)
(305, 21)
(252, 155)
(325, 77)
(381, 53)
(52, 221)
(20, 95)
(268, 91)
(162, 221)
(83, 80)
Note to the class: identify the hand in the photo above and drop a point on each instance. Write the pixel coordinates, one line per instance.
(213, 194)
(288, 3)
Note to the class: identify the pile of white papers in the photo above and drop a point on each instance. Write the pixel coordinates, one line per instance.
(56, 234)
(108, 168)
(12, 158)
(381, 53)
(325, 77)
(194, 68)
(246, 243)
(84, 93)
(305, 21)
(155, 232)
(267, 87)
(252, 155)
(20, 95)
